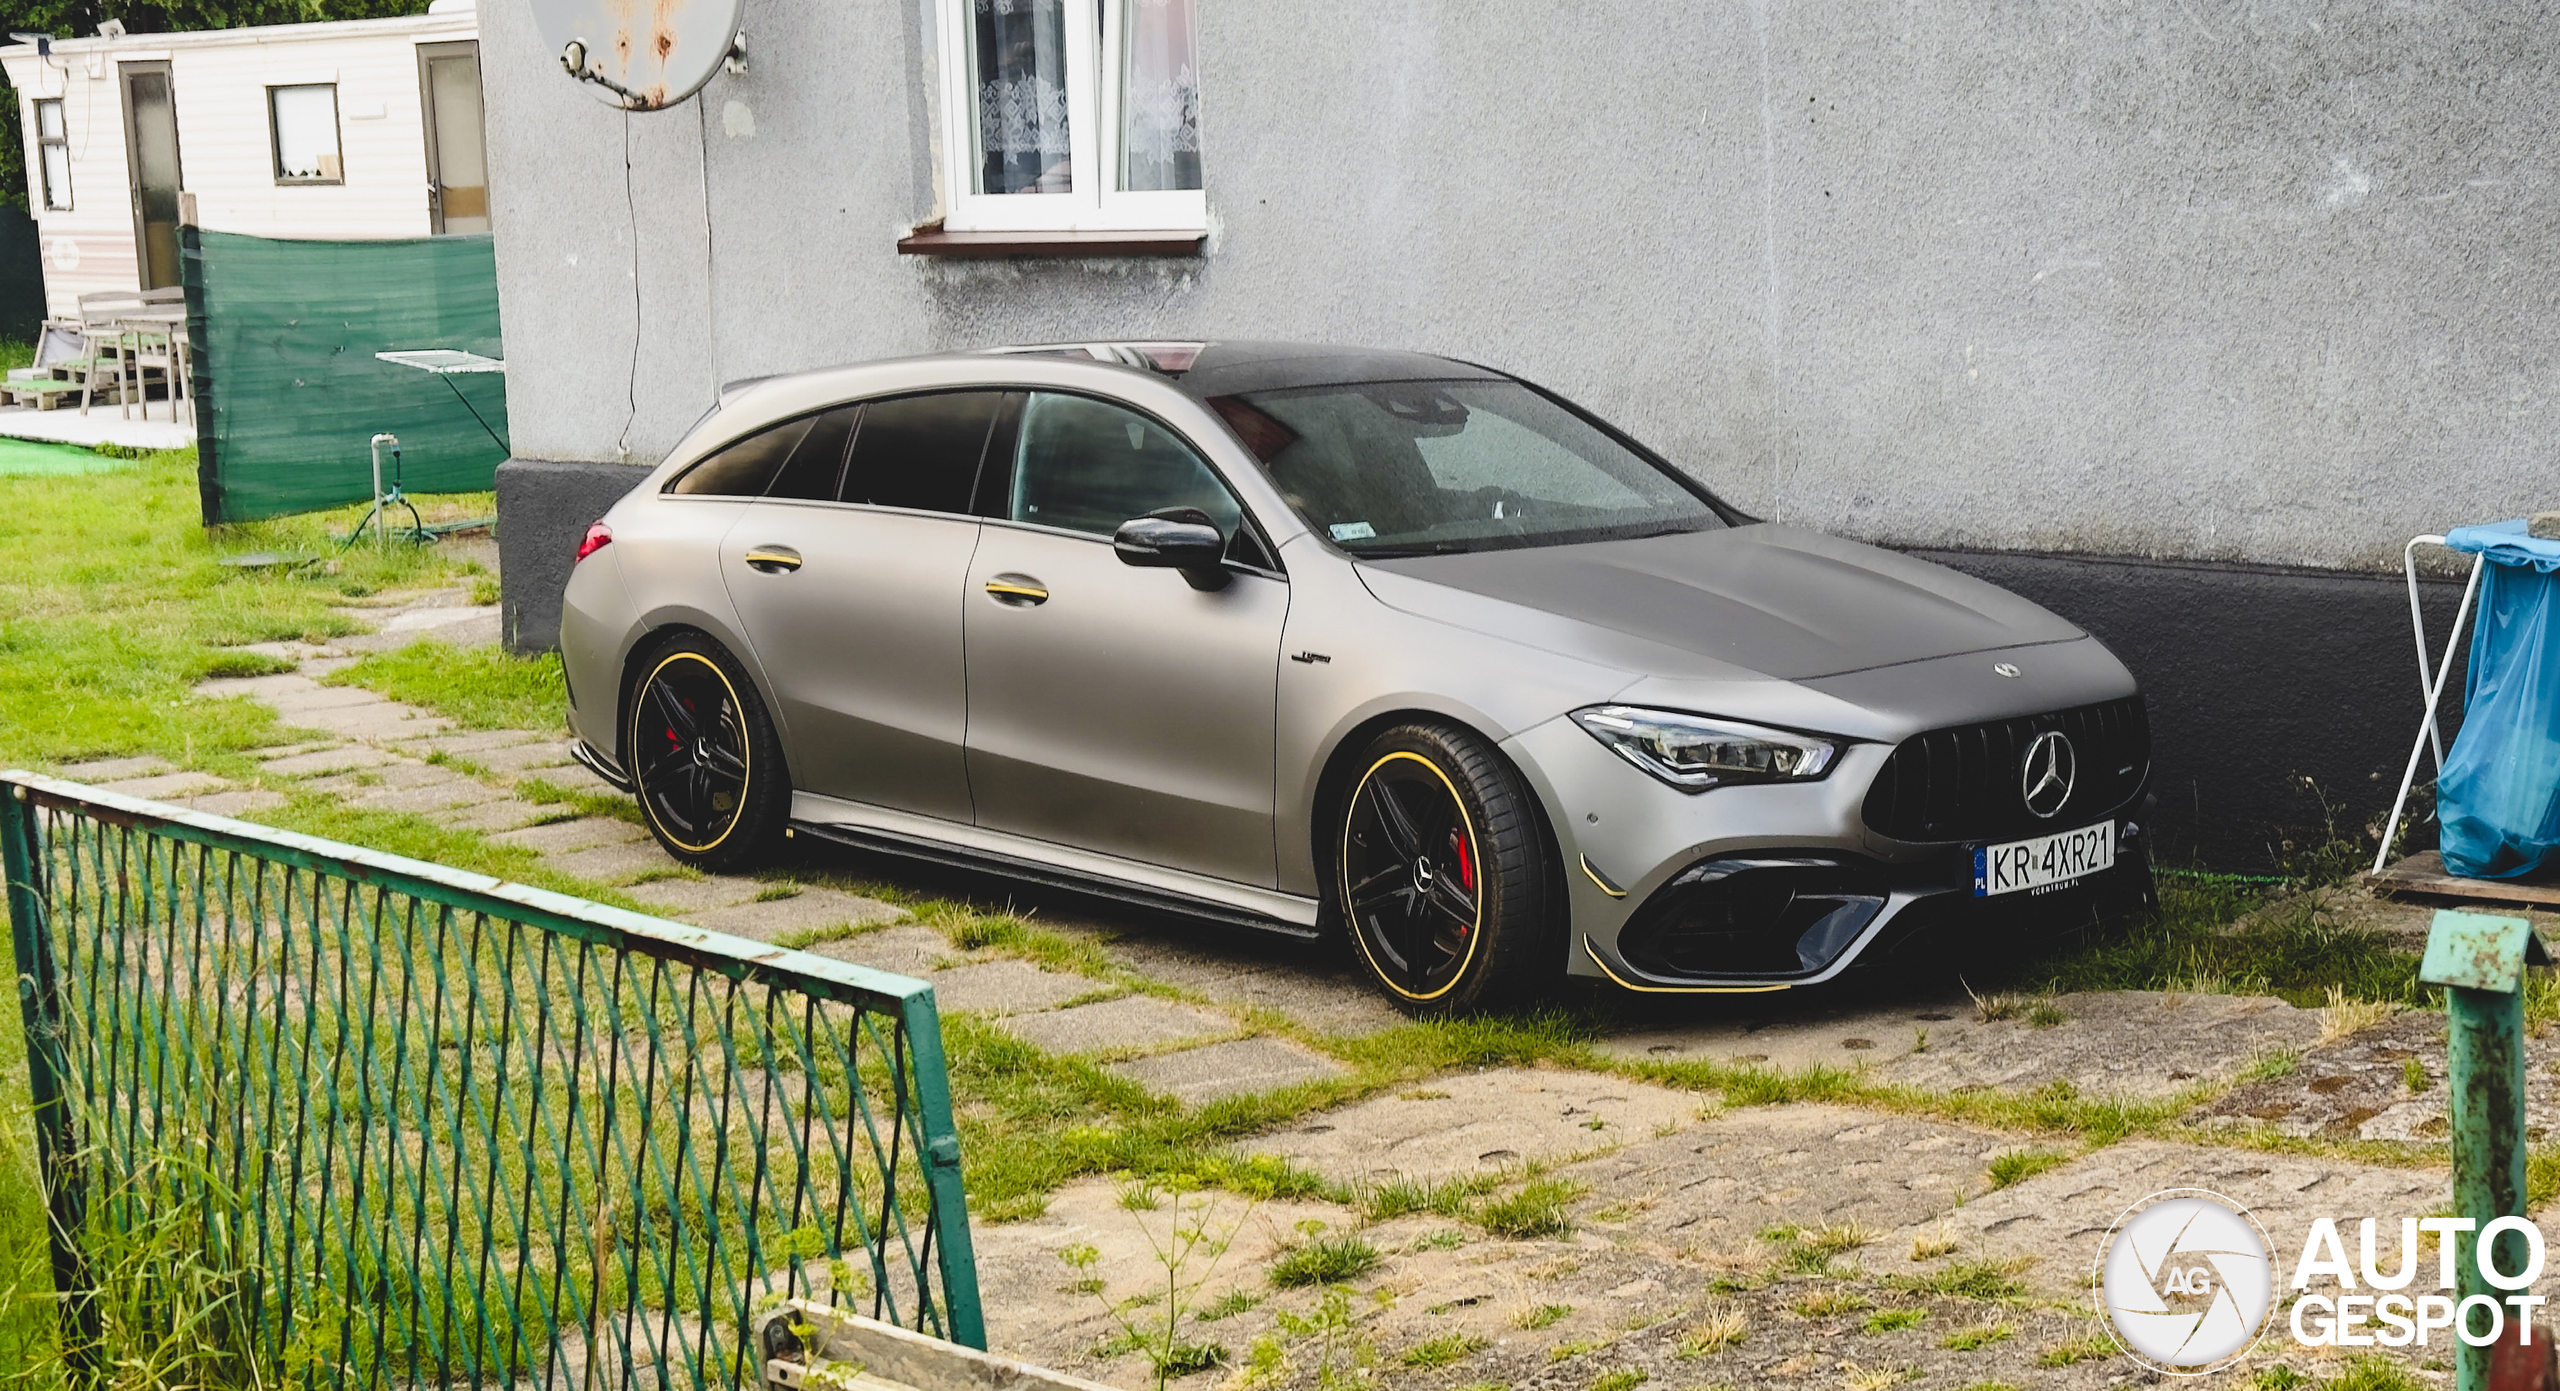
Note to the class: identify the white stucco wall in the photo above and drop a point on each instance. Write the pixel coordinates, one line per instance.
(2271, 282)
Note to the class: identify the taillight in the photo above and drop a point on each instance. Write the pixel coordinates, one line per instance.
(598, 537)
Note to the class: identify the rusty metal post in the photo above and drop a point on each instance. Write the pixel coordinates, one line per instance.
(2480, 961)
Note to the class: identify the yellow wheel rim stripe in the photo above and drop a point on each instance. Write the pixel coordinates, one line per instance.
(747, 755)
(1475, 930)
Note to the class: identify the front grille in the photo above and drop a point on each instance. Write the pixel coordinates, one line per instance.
(1964, 783)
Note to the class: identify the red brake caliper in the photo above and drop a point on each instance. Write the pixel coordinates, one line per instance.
(1466, 866)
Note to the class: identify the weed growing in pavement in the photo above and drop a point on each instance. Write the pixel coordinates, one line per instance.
(2413, 1074)
(2374, 1372)
(1622, 1379)
(2197, 941)
(2270, 1064)
(1840, 1238)
(1443, 1351)
(2044, 1014)
(1343, 1355)
(1717, 1329)
(1323, 1260)
(1831, 1303)
(1401, 1195)
(1856, 1378)
(1188, 1252)
(1928, 1246)
(1226, 1306)
(1543, 1316)
(1981, 1335)
(2019, 1165)
(2077, 1350)
(1967, 1280)
(1538, 1210)
(1566, 1351)
(2343, 1016)
(1894, 1320)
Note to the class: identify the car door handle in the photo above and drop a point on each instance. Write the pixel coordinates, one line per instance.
(774, 560)
(1020, 591)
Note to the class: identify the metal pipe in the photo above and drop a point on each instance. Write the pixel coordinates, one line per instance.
(2427, 726)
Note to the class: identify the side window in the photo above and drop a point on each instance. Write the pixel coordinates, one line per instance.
(816, 463)
(746, 468)
(921, 451)
(1086, 465)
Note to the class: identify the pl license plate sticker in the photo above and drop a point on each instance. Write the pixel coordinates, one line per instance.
(2043, 862)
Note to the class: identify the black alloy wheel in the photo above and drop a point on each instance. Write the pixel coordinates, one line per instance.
(703, 757)
(1442, 872)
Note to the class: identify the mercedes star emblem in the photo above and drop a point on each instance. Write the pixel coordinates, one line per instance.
(2007, 669)
(2045, 775)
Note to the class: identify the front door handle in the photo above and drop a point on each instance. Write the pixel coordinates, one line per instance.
(774, 560)
(1019, 591)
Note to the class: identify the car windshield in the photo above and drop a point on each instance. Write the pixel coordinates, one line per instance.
(1387, 469)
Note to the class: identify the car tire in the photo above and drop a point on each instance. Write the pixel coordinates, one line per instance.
(1440, 872)
(704, 760)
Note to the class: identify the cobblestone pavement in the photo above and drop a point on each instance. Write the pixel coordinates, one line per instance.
(1540, 1226)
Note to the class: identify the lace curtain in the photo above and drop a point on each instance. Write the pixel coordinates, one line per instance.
(1159, 98)
(1022, 96)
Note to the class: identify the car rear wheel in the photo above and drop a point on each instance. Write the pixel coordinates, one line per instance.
(703, 756)
(1441, 872)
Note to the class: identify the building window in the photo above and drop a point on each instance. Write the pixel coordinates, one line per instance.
(1071, 115)
(53, 151)
(304, 120)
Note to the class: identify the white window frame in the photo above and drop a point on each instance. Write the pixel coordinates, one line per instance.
(1093, 140)
(56, 200)
(337, 135)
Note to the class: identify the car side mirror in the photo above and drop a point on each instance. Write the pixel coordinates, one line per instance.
(1175, 543)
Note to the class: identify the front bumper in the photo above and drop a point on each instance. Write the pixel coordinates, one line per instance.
(1794, 887)
(1761, 921)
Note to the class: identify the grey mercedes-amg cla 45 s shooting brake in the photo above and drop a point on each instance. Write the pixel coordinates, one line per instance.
(1301, 636)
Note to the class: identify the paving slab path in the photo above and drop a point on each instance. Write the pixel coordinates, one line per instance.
(1531, 1225)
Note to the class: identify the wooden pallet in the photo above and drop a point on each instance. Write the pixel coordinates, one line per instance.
(2423, 876)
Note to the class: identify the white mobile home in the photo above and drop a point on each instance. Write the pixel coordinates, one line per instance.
(361, 128)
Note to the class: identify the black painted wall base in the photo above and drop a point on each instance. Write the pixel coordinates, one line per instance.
(543, 512)
(2283, 702)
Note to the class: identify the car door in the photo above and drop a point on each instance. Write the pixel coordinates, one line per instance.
(1113, 708)
(847, 575)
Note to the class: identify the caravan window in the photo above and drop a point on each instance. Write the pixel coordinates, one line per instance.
(304, 120)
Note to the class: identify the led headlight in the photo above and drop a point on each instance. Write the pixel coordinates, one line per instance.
(1694, 753)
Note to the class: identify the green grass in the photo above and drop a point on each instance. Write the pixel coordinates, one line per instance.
(114, 603)
(2019, 1165)
(1965, 1280)
(1894, 1320)
(476, 687)
(1969, 1339)
(1543, 1316)
(1443, 1351)
(2087, 1349)
(1623, 1379)
(2288, 950)
(1538, 1210)
(1325, 1260)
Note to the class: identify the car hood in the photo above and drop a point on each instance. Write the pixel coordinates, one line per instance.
(1775, 600)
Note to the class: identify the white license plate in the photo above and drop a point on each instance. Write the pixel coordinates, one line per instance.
(2041, 862)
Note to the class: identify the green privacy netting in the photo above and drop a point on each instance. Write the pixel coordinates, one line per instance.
(288, 392)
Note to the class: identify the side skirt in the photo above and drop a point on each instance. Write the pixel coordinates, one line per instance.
(882, 840)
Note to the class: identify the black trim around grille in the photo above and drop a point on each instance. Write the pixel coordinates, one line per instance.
(1963, 783)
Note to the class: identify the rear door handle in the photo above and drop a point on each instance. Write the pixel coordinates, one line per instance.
(774, 560)
(1020, 591)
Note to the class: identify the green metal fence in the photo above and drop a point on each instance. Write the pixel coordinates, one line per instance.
(420, 1125)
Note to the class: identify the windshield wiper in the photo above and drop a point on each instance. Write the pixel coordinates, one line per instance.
(1409, 552)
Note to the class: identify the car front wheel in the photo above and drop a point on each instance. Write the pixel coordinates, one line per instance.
(1441, 872)
(703, 756)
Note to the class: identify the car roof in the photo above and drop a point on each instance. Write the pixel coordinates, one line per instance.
(1228, 367)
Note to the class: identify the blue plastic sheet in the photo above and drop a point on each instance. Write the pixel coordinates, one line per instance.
(2498, 798)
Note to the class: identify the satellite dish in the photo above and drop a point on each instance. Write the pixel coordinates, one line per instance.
(637, 57)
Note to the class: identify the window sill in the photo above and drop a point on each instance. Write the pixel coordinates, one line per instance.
(937, 242)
